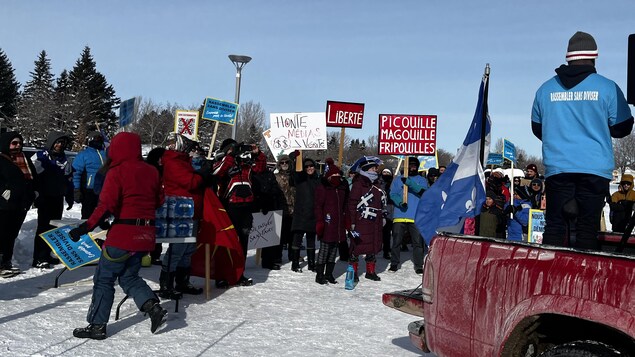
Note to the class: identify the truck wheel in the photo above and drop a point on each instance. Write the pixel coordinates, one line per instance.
(581, 349)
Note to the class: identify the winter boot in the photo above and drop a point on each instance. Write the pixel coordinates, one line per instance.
(245, 281)
(319, 277)
(158, 315)
(93, 331)
(295, 260)
(310, 254)
(166, 286)
(370, 272)
(356, 277)
(183, 284)
(329, 273)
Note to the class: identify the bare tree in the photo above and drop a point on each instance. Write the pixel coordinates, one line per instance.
(155, 121)
(624, 152)
(444, 157)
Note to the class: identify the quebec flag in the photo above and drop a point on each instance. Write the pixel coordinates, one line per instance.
(460, 192)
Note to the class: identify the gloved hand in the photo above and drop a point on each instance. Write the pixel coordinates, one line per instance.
(404, 205)
(6, 194)
(77, 232)
(355, 236)
(404, 180)
(77, 195)
(69, 202)
(319, 228)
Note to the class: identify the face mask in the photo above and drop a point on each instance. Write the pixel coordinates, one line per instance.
(386, 178)
(372, 176)
(335, 180)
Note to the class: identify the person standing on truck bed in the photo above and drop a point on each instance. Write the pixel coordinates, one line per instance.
(578, 111)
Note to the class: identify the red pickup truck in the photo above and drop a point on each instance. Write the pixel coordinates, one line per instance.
(492, 297)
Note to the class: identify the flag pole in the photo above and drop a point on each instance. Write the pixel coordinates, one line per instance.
(484, 112)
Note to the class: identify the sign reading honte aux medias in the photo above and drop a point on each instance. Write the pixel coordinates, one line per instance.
(72, 254)
(186, 123)
(407, 134)
(220, 111)
(344, 114)
(298, 131)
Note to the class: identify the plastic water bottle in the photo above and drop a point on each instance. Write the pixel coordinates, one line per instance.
(171, 200)
(349, 283)
(162, 212)
(162, 227)
(184, 207)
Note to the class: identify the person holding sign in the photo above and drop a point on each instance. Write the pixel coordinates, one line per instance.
(17, 186)
(578, 111)
(366, 208)
(131, 193)
(404, 215)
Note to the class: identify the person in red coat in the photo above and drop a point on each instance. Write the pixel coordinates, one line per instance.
(131, 193)
(366, 207)
(330, 216)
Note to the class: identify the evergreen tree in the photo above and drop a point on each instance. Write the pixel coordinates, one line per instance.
(37, 106)
(94, 97)
(9, 90)
(64, 100)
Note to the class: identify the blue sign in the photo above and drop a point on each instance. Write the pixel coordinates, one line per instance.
(72, 254)
(127, 112)
(494, 159)
(220, 110)
(509, 150)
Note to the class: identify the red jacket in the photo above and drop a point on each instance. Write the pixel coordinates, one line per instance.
(179, 179)
(332, 202)
(131, 190)
(235, 186)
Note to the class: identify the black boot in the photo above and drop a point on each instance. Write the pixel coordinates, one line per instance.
(295, 260)
(329, 273)
(319, 277)
(166, 286)
(93, 331)
(183, 284)
(158, 315)
(310, 255)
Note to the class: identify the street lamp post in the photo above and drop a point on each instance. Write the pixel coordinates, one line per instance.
(238, 61)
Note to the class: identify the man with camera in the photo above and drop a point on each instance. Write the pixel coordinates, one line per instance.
(234, 172)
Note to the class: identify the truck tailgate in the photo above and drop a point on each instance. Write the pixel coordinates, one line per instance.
(408, 301)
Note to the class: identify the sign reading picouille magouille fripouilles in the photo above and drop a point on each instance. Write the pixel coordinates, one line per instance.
(407, 134)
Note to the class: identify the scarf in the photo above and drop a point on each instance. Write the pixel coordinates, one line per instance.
(20, 161)
(372, 176)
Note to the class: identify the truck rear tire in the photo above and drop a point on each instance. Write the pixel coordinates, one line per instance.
(581, 349)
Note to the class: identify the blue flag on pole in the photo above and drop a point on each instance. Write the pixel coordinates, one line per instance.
(460, 192)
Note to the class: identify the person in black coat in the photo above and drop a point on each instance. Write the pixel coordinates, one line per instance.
(17, 189)
(269, 197)
(305, 182)
(55, 185)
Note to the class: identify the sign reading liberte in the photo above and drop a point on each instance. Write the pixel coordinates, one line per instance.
(344, 114)
(406, 134)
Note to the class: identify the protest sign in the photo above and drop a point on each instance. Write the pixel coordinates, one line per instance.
(298, 131)
(186, 123)
(220, 111)
(536, 226)
(509, 150)
(265, 231)
(72, 254)
(127, 112)
(407, 134)
(344, 114)
(269, 141)
(494, 159)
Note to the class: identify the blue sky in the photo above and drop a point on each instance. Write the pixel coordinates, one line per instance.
(409, 57)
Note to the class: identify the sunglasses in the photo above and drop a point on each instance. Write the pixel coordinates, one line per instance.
(307, 166)
(16, 143)
(284, 162)
(535, 184)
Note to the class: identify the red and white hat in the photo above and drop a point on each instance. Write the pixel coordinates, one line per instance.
(581, 46)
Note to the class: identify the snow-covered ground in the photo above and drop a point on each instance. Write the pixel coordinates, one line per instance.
(283, 314)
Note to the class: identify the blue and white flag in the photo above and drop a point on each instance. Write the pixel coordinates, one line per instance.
(460, 192)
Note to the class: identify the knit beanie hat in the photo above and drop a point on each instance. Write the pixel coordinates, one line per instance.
(491, 194)
(227, 143)
(581, 46)
(365, 166)
(532, 167)
(331, 169)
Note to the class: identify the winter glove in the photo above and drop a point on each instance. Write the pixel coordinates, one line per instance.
(355, 236)
(77, 195)
(70, 203)
(77, 232)
(6, 194)
(404, 205)
(319, 228)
